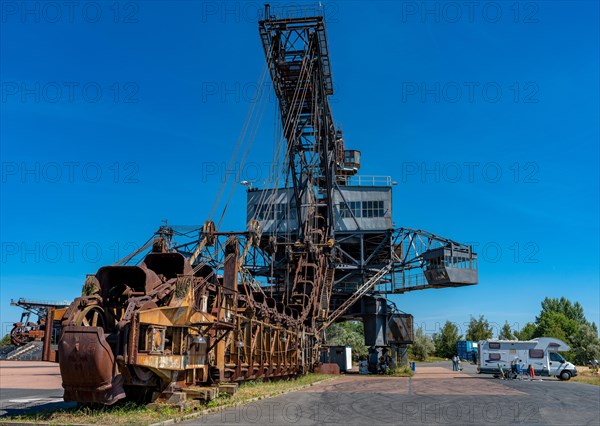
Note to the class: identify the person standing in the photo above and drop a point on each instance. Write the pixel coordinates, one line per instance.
(514, 364)
(454, 363)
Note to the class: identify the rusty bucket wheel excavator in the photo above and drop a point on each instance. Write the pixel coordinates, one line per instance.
(25, 331)
(195, 308)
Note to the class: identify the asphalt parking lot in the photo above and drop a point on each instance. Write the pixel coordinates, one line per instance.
(435, 395)
(27, 386)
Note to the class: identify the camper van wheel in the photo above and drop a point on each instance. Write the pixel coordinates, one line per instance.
(565, 375)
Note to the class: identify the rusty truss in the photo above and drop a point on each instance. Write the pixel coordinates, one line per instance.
(24, 330)
(195, 308)
(164, 325)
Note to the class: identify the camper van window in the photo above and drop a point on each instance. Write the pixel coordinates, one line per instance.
(556, 357)
(495, 357)
(536, 353)
(494, 345)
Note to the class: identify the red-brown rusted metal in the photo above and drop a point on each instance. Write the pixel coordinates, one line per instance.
(87, 366)
(25, 331)
(47, 353)
(146, 330)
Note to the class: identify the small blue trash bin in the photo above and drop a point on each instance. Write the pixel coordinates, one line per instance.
(413, 366)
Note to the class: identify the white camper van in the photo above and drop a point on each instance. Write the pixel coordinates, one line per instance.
(542, 353)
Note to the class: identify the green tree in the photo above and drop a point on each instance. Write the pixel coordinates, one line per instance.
(572, 311)
(526, 333)
(586, 345)
(556, 324)
(506, 333)
(348, 333)
(560, 319)
(479, 329)
(564, 320)
(422, 345)
(445, 340)
(5, 340)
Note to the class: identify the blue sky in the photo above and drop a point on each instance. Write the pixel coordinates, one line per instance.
(115, 115)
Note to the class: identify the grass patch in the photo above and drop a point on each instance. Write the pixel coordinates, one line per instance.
(428, 359)
(258, 388)
(585, 375)
(138, 414)
(124, 414)
(403, 371)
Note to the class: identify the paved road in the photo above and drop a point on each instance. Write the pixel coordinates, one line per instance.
(27, 386)
(435, 395)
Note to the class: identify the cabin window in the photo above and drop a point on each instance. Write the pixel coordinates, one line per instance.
(536, 353)
(350, 209)
(362, 209)
(556, 357)
(494, 357)
(494, 345)
(155, 339)
(372, 209)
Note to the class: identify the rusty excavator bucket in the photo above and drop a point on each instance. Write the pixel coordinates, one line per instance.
(88, 368)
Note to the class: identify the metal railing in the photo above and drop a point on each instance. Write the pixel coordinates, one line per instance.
(36, 302)
(291, 11)
(402, 282)
(366, 180)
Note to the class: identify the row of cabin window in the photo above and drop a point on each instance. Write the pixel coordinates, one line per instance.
(453, 262)
(358, 209)
(533, 353)
(362, 209)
